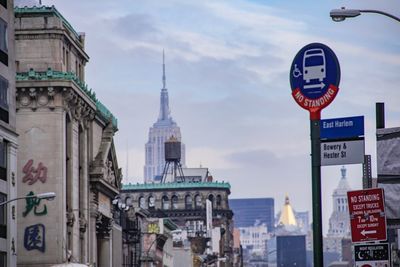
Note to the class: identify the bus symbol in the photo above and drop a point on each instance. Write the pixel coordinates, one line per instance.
(314, 65)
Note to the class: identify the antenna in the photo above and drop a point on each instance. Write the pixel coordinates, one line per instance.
(127, 160)
(163, 66)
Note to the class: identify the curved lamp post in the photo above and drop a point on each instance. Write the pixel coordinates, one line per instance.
(47, 195)
(343, 13)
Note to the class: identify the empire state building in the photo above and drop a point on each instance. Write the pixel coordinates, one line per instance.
(159, 133)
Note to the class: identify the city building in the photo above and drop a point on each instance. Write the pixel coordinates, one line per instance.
(65, 146)
(291, 241)
(287, 223)
(161, 131)
(303, 221)
(184, 203)
(8, 137)
(291, 251)
(248, 211)
(339, 221)
(254, 238)
(388, 171)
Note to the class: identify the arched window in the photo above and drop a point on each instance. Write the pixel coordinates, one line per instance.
(142, 202)
(219, 201)
(152, 202)
(174, 202)
(188, 202)
(198, 203)
(211, 198)
(128, 201)
(165, 203)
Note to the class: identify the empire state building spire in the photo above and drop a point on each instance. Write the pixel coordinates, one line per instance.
(165, 113)
(159, 133)
(163, 70)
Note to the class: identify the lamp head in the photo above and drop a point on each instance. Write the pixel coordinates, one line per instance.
(343, 13)
(47, 195)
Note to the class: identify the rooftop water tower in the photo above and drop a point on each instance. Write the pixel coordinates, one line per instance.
(173, 166)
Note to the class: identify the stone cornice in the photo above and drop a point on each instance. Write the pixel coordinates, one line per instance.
(37, 79)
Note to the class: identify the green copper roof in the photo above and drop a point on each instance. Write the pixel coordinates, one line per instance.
(46, 9)
(50, 74)
(175, 185)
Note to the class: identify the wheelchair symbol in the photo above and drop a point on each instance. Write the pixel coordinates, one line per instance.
(296, 71)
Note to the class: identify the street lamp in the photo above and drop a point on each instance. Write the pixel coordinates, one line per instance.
(47, 195)
(343, 13)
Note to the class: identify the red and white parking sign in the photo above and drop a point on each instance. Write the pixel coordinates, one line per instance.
(367, 215)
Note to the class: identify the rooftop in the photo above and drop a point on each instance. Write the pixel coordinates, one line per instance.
(46, 9)
(176, 185)
(50, 74)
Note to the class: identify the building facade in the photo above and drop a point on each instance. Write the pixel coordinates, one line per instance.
(339, 221)
(248, 211)
(184, 204)
(66, 146)
(254, 238)
(161, 131)
(8, 137)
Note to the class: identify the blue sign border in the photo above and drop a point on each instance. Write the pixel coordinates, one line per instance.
(347, 127)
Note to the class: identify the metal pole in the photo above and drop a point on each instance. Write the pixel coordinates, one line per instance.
(316, 191)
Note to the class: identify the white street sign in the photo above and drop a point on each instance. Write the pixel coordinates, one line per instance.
(342, 152)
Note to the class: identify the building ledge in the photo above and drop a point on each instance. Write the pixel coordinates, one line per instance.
(50, 74)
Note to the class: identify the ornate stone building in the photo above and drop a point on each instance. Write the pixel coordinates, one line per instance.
(185, 204)
(339, 221)
(159, 133)
(66, 147)
(8, 137)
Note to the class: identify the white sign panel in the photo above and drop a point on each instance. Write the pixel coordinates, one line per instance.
(342, 152)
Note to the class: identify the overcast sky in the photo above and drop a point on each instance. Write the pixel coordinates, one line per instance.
(227, 65)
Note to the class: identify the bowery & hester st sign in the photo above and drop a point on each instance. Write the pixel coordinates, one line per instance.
(367, 215)
(342, 141)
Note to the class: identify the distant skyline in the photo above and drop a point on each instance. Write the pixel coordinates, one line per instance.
(228, 82)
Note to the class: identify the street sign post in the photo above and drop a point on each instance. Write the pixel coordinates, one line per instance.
(373, 255)
(367, 215)
(314, 80)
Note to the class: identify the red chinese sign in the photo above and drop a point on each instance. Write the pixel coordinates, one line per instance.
(367, 215)
(33, 174)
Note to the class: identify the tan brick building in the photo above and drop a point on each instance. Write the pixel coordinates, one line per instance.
(8, 137)
(66, 147)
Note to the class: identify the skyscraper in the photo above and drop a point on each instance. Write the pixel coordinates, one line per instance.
(249, 211)
(161, 131)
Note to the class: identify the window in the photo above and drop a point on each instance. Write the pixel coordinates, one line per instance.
(211, 198)
(142, 203)
(198, 203)
(3, 99)
(128, 201)
(188, 202)
(3, 161)
(174, 202)
(165, 203)
(3, 258)
(219, 201)
(3, 42)
(3, 217)
(3, 3)
(152, 202)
